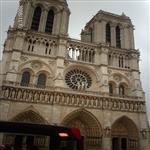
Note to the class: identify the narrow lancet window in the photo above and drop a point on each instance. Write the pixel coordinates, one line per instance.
(118, 39)
(25, 80)
(108, 33)
(49, 22)
(41, 82)
(36, 19)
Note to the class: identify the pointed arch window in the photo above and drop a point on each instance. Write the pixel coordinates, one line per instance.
(25, 80)
(121, 90)
(41, 82)
(118, 40)
(49, 22)
(36, 19)
(108, 33)
(111, 90)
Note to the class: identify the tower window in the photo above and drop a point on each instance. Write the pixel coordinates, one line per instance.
(108, 33)
(121, 90)
(36, 19)
(49, 22)
(111, 92)
(118, 40)
(41, 82)
(25, 78)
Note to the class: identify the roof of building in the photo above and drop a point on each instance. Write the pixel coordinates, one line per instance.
(104, 15)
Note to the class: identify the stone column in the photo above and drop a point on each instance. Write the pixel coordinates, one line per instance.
(113, 35)
(43, 20)
(27, 14)
(15, 57)
(103, 34)
(122, 37)
(131, 35)
(30, 16)
(144, 139)
(104, 70)
(57, 23)
(64, 22)
(107, 131)
(127, 41)
(97, 32)
(61, 54)
(117, 90)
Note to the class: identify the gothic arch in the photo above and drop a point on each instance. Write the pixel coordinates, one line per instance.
(112, 87)
(124, 134)
(20, 76)
(27, 69)
(38, 4)
(30, 115)
(36, 61)
(89, 126)
(121, 78)
(128, 123)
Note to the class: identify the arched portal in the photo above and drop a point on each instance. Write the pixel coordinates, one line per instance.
(124, 135)
(29, 116)
(89, 126)
(19, 140)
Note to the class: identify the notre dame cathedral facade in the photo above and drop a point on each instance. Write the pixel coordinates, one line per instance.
(92, 84)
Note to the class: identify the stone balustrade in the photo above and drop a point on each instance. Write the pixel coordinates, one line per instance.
(80, 51)
(26, 94)
(40, 45)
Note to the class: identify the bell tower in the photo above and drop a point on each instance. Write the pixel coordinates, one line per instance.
(38, 27)
(46, 16)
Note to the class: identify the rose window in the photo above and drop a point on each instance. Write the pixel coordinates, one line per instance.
(78, 80)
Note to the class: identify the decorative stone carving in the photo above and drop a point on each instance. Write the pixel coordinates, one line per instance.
(13, 69)
(23, 58)
(36, 65)
(144, 133)
(66, 62)
(62, 98)
(117, 78)
(78, 79)
(107, 132)
(51, 62)
(127, 74)
(109, 72)
(59, 76)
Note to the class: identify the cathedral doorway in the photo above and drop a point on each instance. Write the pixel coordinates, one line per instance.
(124, 135)
(25, 141)
(89, 126)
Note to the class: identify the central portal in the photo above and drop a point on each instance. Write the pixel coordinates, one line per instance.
(89, 127)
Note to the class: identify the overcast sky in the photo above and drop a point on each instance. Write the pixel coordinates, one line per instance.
(83, 10)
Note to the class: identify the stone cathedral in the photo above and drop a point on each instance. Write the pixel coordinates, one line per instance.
(92, 84)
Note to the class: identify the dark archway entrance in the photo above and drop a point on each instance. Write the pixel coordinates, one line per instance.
(89, 126)
(26, 141)
(124, 135)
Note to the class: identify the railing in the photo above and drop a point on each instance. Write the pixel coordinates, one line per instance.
(80, 51)
(40, 45)
(29, 95)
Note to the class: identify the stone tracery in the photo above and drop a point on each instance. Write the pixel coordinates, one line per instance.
(78, 80)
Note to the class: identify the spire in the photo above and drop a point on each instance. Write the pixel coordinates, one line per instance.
(19, 16)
